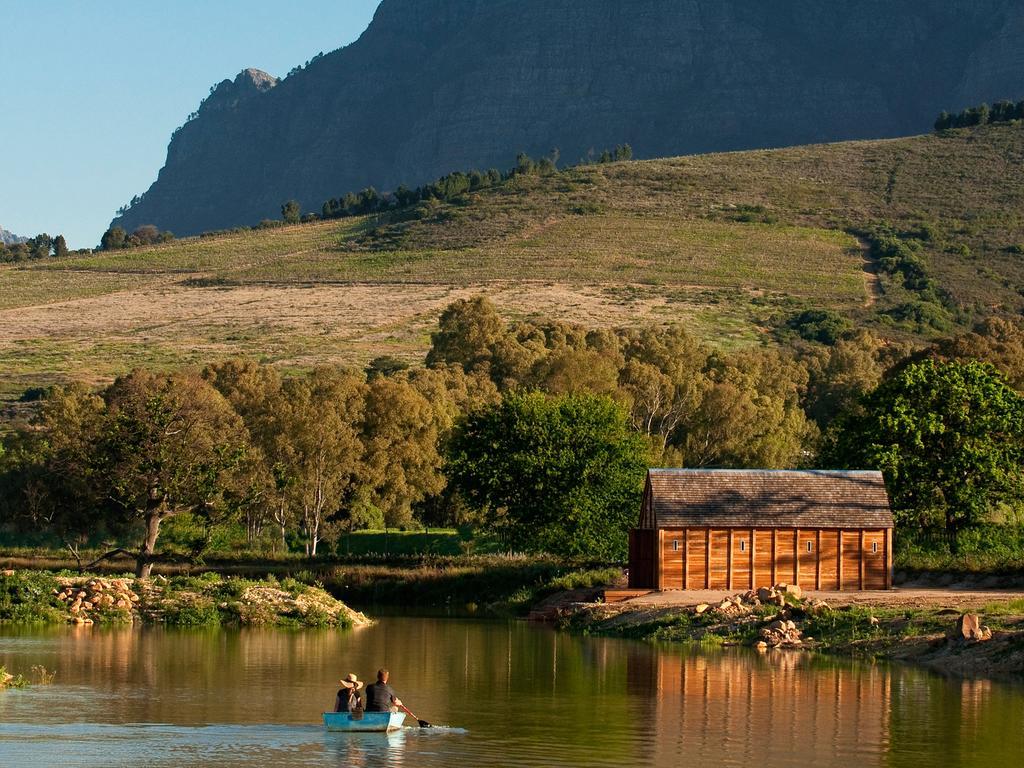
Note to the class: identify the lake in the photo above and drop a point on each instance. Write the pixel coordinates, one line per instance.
(512, 694)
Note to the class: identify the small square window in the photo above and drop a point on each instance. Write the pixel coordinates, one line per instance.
(743, 545)
(810, 546)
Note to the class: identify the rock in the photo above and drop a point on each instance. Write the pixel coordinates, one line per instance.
(724, 605)
(761, 645)
(765, 594)
(777, 626)
(7, 572)
(86, 605)
(794, 590)
(968, 627)
(873, 621)
(790, 626)
(701, 608)
(986, 633)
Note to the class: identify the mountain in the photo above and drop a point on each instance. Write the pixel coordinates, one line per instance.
(9, 238)
(434, 86)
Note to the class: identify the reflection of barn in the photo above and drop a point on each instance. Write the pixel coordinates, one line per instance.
(740, 529)
(762, 710)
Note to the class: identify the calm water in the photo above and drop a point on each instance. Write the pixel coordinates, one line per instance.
(514, 695)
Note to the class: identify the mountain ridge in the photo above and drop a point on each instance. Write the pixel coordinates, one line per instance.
(436, 85)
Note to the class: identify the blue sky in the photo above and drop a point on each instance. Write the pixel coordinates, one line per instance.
(92, 89)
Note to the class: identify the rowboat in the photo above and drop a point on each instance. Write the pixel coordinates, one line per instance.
(363, 721)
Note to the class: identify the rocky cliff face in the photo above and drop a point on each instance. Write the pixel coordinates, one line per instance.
(9, 238)
(438, 85)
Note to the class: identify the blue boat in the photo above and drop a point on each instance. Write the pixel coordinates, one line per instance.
(363, 721)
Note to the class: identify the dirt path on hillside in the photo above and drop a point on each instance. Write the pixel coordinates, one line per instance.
(872, 282)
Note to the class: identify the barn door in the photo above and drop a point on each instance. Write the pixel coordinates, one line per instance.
(641, 559)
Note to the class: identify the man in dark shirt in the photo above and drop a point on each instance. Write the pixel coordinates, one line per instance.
(380, 697)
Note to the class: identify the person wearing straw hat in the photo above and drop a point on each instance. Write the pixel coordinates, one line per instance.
(349, 698)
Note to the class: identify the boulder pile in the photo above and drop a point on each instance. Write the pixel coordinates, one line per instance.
(744, 603)
(84, 601)
(781, 633)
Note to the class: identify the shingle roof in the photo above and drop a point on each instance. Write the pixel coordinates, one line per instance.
(771, 498)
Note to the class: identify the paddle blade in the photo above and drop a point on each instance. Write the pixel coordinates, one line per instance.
(424, 724)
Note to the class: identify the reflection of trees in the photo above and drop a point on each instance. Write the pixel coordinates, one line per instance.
(957, 722)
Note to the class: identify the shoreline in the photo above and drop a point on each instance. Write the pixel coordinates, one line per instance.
(922, 627)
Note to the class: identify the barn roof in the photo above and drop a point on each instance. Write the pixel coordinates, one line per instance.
(769, 498)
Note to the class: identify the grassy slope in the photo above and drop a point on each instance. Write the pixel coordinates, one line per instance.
(719, 242)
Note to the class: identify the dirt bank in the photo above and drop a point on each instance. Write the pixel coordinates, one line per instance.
(922, 626)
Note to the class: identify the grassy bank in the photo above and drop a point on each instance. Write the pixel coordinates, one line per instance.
(916, 634)
(44, 597)
(218, 592)
(491, 584)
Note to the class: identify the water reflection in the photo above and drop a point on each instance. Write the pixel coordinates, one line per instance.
(523, 696)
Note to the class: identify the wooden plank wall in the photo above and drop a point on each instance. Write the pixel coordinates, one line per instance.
(742, 558)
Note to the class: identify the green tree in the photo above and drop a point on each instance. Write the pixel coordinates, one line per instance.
(556, 474)
(113, 239)
(60, 247)
(167, 444)
(252, 390)
(400, 438)
(468, 332)
(749, 415)
(291, 212)
(949, 438)
(315, 448)
(46, 469)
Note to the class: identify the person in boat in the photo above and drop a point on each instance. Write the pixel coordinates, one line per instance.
(349, 699)
(380, 697)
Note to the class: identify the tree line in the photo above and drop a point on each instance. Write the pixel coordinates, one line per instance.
(536, 432)
(117, 239)
(41, 246)
(456, 184)
(1000, 112)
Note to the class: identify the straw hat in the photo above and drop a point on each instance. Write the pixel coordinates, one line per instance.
(352, 681)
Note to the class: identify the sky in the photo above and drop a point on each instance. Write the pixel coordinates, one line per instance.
(92, 89)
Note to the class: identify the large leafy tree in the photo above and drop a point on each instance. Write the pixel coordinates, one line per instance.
(557, 474)
(948, 436)
(167, 444)
(47, 482)
(315, 451)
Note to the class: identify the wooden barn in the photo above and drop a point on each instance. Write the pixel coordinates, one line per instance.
(742, 529)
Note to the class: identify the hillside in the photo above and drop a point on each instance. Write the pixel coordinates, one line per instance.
(434, 85)
(728, 244)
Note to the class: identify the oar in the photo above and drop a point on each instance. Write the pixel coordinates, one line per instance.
(423, 723)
